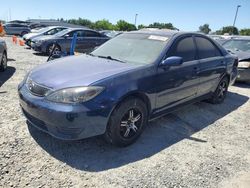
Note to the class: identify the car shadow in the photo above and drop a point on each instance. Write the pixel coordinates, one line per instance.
(95, 155)
(10, 59)
(40, 54)
(6, 75)
(242, 84)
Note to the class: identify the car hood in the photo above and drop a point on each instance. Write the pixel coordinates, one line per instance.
(47, 37)
(242, 55)
(77, 71)
(29, 35)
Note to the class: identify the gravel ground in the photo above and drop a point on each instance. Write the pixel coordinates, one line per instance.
(202, 145)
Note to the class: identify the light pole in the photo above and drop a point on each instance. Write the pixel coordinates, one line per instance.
(236, 14)
(136, 19)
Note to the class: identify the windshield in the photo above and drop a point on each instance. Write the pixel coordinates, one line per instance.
(42, 30)
(242, 45)
(133, 48)
(63, 32)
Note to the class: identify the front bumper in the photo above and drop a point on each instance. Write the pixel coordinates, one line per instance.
(36, 46)
(64, 121)
(243, 74)
(28, 43)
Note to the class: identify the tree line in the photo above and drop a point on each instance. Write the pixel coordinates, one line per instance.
(231, 30)
(120, 25)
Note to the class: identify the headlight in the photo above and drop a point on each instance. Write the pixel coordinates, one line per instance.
(24, 80)
(244, 64)
(74, 95)
(39, 41)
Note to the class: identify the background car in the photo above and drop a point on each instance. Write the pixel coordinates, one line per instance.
(241, 47)
(87, 40)
(42, 32)
(111, 34)
(3, 55)
(130, 79)
(16, 29)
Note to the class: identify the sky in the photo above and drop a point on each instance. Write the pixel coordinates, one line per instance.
(186, 15)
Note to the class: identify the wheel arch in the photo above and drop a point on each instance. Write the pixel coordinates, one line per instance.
(135, 94)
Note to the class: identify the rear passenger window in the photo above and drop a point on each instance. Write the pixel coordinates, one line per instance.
(184, 48)
(206, 49)
(91, 34)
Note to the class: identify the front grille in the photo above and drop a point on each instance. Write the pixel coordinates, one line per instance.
(36, 89)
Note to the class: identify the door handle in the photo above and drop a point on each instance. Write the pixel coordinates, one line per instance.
(223, 62)
(196, 70)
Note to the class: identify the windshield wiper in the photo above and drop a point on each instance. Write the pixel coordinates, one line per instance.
(110, 58)
(106, 57)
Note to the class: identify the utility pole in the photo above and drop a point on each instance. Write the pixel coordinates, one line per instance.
(236, 14)
(9, 14)
(136, 19)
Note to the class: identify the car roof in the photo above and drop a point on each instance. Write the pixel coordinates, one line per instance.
(52, 27)
(240, 38)
(83, 29)
(156, 32)
(165, 32)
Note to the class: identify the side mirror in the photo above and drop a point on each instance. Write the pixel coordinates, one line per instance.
(66, 36)
(172, 61)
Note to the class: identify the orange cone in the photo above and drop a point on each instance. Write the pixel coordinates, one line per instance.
(21, 42)
(14, 39)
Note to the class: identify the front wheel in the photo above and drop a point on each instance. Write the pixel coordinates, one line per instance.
(221, 92)
(53, 48)
(3, 62)
(127, 122)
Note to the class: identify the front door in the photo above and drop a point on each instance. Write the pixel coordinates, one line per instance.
(178, 84)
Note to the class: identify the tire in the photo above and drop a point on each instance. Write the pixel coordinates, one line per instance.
(50, 48)
(3, 63)
(126, 122)
(221, 92)
(24, 33)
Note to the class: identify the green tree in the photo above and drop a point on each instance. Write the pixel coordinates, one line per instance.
(231, 30)
(162, 26)
(218, 32)
(245, 32)
(141, 26)
(122, 25)
(204, 28)
(103, 25)
(80, 21)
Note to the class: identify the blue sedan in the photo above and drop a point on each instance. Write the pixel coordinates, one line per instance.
(131, 79)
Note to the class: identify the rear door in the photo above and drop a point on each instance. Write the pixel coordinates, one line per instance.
(66, 42)
(92, 39)
(212, 64)
(178, 84)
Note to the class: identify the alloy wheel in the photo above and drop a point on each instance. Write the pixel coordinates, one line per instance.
(130, 123)
(4, 61)
(222, 89)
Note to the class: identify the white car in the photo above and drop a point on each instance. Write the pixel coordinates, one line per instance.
(42, 32)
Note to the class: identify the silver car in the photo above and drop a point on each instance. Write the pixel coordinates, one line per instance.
(42, 32)
(3, 55)
(16, 29)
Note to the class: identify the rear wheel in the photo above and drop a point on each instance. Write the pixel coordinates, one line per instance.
(24, 33)
(127, 122)
(3, 65)
(221, 92)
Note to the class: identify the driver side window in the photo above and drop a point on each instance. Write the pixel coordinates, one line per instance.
(184, 48)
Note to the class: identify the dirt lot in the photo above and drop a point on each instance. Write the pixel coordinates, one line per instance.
(202, 145)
